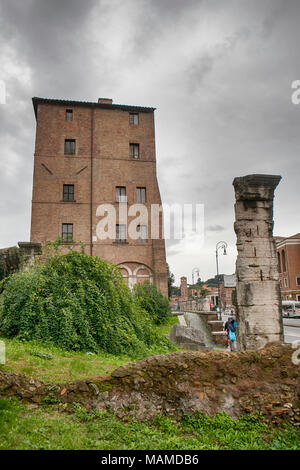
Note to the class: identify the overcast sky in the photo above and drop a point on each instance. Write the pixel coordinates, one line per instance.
(219, 73)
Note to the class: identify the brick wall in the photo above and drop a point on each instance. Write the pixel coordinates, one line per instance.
(101, 162)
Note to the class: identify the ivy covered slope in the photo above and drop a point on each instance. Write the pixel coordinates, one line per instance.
(77, 302)
(152, 300)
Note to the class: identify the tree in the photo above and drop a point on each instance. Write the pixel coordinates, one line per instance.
(171, 280)
(10, 262)
(153, 301)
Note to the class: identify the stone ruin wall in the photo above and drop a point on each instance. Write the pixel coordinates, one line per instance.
(264, 381)
(258, 292)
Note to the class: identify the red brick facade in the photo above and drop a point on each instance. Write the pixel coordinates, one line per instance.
(288, 251)
(101, 161)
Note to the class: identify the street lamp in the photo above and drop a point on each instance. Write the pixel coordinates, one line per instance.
(219, 245)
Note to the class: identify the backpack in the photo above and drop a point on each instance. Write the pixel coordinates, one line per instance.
(231, 335)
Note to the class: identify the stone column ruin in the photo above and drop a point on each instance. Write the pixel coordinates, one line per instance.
(259, 316)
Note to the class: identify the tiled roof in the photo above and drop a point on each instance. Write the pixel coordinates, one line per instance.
(139, 109)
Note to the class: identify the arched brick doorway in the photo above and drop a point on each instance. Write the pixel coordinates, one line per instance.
(135, 273)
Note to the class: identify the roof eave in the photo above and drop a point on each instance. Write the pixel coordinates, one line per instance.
(36, 101)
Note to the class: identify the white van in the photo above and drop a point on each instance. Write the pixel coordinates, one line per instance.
(290, 309)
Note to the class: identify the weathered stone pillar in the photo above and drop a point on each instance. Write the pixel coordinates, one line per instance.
(28, 252)
(259, 316)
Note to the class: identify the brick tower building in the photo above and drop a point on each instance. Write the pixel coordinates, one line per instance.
(89, 156)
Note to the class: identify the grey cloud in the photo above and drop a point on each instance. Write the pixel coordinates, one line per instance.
(223, 111)
(157, 19)
(204, 64)
(51, 37)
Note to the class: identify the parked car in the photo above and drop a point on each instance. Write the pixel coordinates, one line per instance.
(290, 309)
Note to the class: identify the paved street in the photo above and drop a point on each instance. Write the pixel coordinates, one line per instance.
(291, 330)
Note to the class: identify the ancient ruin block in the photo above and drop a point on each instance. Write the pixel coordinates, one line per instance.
(258, 292)
(28, 252)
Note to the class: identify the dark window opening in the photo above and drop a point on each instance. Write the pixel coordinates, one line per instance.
(283, 261)
(69, 115)
(142, 233)
(67, 232)
(134, 150)
(68, 192)
(134, 118)
(121, 233)
(141, 194)
(298, 281)
(279, 262)
(121, 194)
(70, 146)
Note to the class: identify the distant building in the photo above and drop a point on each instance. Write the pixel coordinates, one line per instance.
(288, 252)
(212, 295)
(226, 290)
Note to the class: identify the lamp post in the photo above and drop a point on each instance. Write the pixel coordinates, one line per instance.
(222, 245)
(195, 270)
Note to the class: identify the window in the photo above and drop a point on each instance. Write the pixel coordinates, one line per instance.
(285, 282)
(141, 194)
(68, 192)
(298, 298)
(70, 146)
(298, 281)
(69, 115)
(121, 194)
(133, 119)
(121, 233)
(134, 150)
(67, 232)
(279, 263)
(283, 261)
(280, 282)
(142, 233)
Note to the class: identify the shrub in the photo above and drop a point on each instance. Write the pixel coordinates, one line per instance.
(9, 261)
(77, 302)
(153, 301)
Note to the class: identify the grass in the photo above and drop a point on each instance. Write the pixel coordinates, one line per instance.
(51, 364)
(70, 427)
(168, 325)
(52, 428)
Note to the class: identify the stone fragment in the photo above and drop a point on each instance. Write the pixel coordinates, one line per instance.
(189, 338)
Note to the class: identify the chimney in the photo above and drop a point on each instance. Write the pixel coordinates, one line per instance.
(105, 100)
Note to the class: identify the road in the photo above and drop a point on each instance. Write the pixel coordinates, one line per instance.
(291, 328)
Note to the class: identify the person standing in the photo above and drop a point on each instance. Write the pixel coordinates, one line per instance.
(231, 328)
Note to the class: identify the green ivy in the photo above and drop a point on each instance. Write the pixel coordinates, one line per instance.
(77, 302)
(153, 301)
